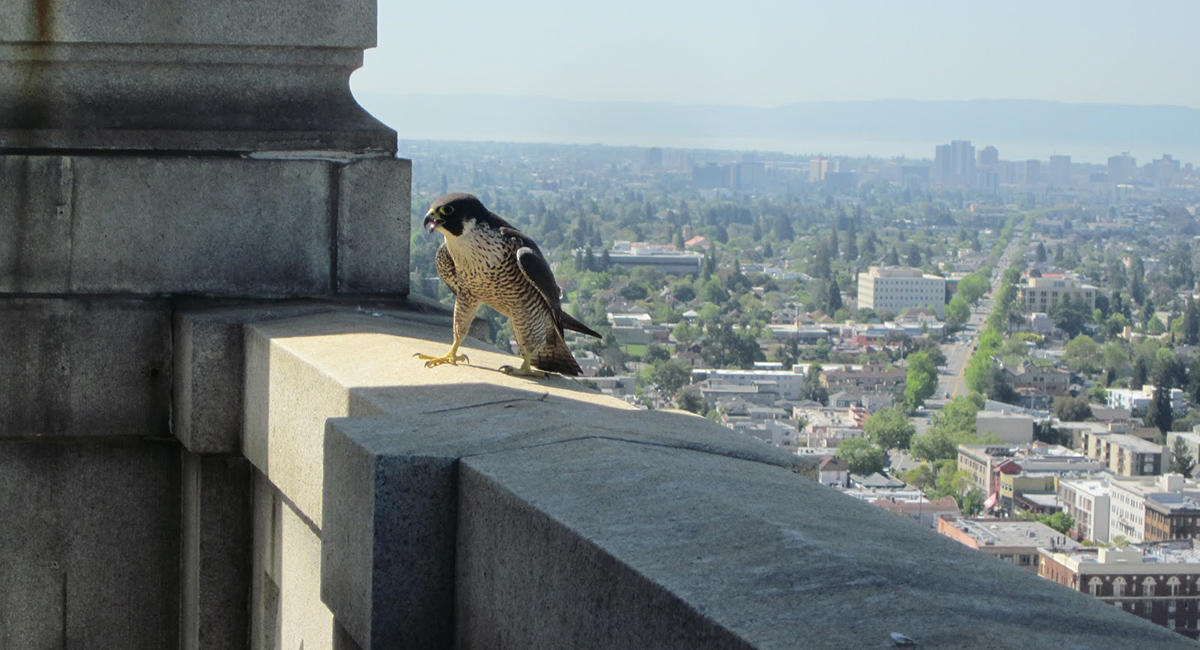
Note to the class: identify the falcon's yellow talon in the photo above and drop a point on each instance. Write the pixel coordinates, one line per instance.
(526, 370)
(451, 358)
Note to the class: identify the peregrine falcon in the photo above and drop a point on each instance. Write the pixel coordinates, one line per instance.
(485, 260)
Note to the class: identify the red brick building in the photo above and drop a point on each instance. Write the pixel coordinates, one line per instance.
(1162, 585)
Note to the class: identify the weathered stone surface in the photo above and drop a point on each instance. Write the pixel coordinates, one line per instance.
(303, 23)
(155, 225)
(229, 76)
(265, 565)
(216, 551)
(387, 544)
(89, 544)
(286, 605)
(35, 217)
(373, 226)
(209, 359)
(302, 371)
(602, 543)
(84, 367)
(201, 225)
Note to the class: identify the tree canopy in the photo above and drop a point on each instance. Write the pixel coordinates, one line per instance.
(921, 380)
(889, 428)
(1182, 461)
(863, 456)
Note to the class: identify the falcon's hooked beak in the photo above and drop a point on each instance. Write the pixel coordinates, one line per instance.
(432, 221)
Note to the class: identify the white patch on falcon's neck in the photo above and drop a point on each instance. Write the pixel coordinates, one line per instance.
(476, 247)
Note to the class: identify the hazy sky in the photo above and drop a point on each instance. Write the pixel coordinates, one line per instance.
(763, 53)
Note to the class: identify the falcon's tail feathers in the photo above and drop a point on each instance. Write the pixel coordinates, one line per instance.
(556, 358)
(572, 323)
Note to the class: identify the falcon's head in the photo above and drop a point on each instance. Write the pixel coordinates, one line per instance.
(450, 213)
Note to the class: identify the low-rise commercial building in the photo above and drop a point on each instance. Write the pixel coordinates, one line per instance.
(1154, 508)
(1159, 584)
(1014, 541)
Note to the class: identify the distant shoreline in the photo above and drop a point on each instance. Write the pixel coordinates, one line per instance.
(1089, 133)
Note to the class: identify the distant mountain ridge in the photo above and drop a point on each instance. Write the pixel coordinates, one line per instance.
(1110, 127)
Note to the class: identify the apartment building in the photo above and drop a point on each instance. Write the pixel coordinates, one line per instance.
(1041, 294)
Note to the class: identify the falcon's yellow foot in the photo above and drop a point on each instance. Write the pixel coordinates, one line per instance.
(525, 370)
(449, 358)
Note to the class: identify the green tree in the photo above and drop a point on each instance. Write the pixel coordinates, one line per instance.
(958, 312)
(691, 401)
(1070, 315)
(1191, 323)
(972, 287)
(889, 428)
(1084, 355)
(863, 456)
(683, 292)
(813, 389)
(671, 375)
(1181, 459)
(1159, 414)
(921, 379)
(971, 503)
(1071, 409)
(834, 302)
(922, 477)
(1060, 521)
(933, 446)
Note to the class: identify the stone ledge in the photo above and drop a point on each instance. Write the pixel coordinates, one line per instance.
(302, 371)
(461, 506)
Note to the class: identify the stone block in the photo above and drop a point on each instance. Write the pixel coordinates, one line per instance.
(373, 226)
(216, 551)
(598, 543)
(35, 215)
(90, 544)
(286, 603)
(209, 359)
(140, 75)
(201, 225)
(265, 565)
(155, 225)
(297, 23)
(387, 561)
(84, 366)
(391, 494)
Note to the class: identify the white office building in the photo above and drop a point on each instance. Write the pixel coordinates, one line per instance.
(896, 288)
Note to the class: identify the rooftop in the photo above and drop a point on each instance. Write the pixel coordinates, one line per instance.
(1009, 532)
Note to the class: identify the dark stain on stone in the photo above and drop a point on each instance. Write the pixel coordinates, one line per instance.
(44, 19)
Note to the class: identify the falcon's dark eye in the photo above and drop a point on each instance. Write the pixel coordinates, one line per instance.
(446, 210)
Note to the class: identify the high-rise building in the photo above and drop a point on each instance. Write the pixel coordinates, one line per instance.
(1122, 168)
(1164, 171)
(1060, 171)
(954, 164)
(942, 171)
(989, 155)
(1031, 172)
(817, 168)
